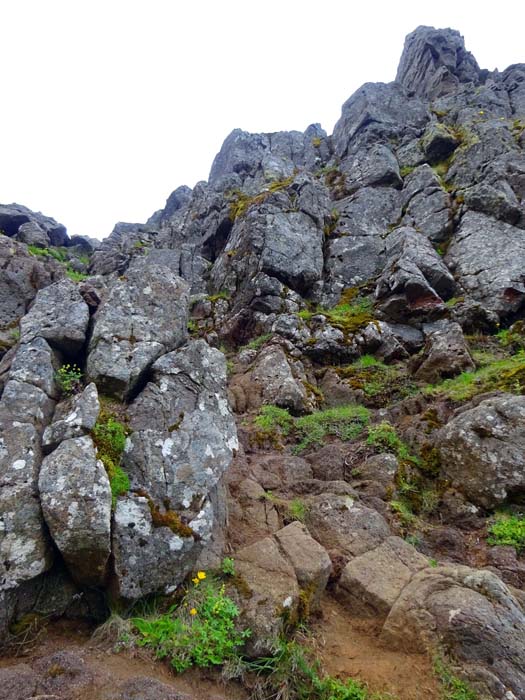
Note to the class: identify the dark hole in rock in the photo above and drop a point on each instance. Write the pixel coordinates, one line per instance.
(215, 244)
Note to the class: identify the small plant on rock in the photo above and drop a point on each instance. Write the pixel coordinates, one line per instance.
(69, 379)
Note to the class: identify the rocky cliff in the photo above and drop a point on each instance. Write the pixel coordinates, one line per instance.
(330, 330)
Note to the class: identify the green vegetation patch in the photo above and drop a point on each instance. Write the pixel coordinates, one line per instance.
(241, 202)
(507, 374)
(384, 438)
(382, 384)
(69, 379)
(352, 313)
(256, 343)
(61, 256)
(453, 687)
(290, 674)
(201, 631)
(508, 530)
(109, 436)
(344, 422)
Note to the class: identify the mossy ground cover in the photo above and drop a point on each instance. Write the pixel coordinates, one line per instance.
(502, 374)
(353, 312)
(109, 436)
(273, 424)
(508, 529)
(61, 256)
(381, 384)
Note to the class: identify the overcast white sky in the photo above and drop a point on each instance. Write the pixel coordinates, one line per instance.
(109, 105)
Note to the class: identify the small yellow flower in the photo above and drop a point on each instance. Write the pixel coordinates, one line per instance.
(195, 581)
(193, 611)
(201, 575)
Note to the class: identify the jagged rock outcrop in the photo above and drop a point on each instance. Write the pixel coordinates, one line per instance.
(331, 270)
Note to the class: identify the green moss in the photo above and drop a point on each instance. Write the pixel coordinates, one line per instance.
(273, 423)
(109, 436)
(344, 422)
(223, 294)
(240, 202)
(316, 141)
(384, 438)
(380, 383)
(297, 510)
(406, 170)
(507, 374)
(256, 343)
(75, 276)
(351, 314)
(508, 530)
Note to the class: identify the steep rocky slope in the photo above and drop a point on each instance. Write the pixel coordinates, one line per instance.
(314, 363)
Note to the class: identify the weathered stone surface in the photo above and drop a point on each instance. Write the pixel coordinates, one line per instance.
(355, 250)
(378, 111)
(18, 682)
(21, 276)
(35, 363)
(73, 418)
(273, 593)
(344, 526)
(27, 403)
(280, 235)
(474, 616)
(144, 688)
(435, 62)
(59, 315)
(310, 561)
(182, 442)
(438, 142)
(24, 549)
(414, 279)
(487, 257)
(76, 502)
(272, 379)
(371, 583)
(74, 679)
(426, 205)
(445, 353)
(483, 450)
(144, 316)
(150, 558)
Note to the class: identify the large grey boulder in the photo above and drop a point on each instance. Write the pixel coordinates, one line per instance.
(153, 557)
(14, 217)
(355, 250)
(414, 279)
(59, 315)
(471, 615)
(445, 353)
(144, 316)
(279, 234)
(426, 205)
(74, 417)
(371, 583)
(487, 257)
(35, 363)
(76, 503)
(434, 62)
(273, 379)
(182, 442)
(483, 450)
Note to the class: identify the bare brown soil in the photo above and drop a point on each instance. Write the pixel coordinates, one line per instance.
(351, 648)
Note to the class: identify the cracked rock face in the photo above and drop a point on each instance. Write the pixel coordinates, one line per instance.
(143, 317)
(76, 503)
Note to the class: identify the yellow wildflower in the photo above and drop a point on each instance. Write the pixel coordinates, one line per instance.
(201, 575)
(195, 581)
(193, 611)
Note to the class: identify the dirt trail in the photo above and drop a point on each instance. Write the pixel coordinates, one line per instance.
(349, 647)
